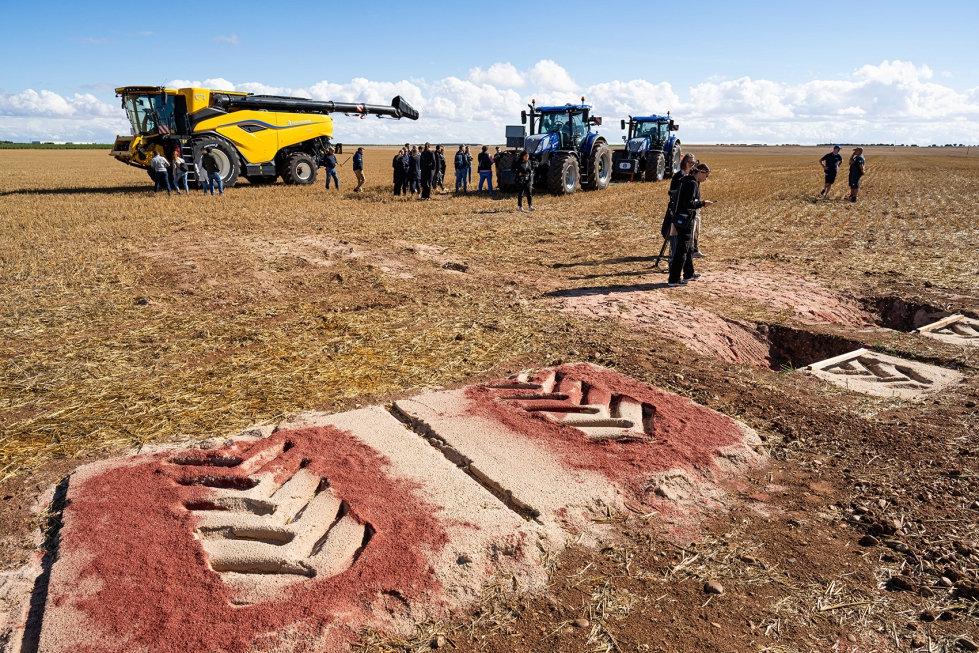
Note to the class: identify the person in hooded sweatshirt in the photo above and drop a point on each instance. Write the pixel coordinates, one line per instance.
(400, 171)
(685, 207)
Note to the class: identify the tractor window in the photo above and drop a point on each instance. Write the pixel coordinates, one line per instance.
(578, 126)
(553, 122)
(657, 131)
(148, 112)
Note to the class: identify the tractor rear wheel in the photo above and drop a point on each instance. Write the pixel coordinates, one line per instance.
(562, 174)
(599, 166)
(655, 166)
(675, 157)
(504, 161)
(300, 169)
(227, 156)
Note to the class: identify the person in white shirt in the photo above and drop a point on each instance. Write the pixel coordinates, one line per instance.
(161, 176)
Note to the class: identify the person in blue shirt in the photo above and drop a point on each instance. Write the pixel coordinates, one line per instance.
(831, 164)
(858, 168)
(359, 168)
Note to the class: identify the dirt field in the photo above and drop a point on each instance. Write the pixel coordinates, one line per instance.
(130, 318)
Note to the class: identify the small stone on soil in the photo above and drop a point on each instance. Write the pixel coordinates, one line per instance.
(967, 644)
(713, 587)
(868, 540)
(851, 638)
(944, 582)
(581, 623)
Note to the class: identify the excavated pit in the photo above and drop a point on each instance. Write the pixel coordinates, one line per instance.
(906, 315)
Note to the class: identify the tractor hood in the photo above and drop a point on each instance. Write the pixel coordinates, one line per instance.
(540, 143)
(638, 145)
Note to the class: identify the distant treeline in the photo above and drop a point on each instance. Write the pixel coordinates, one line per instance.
(8, 145)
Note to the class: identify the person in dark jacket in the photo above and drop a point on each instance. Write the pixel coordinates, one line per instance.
(414, 170)
(359, 168)
(430, 167)
(685, 206)
(461, 164)
(330, 165)
(398, 164)
(484, 165)
(440, 177)
(524, 170)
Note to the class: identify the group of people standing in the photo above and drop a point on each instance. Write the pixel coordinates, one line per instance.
(208, 171)
(418, 171)
(681, 224)
(831, 164)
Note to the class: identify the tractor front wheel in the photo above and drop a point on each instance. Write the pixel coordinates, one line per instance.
(562, 174)
(655, 166)
(300, 169)
(230, 164)
(599, 167)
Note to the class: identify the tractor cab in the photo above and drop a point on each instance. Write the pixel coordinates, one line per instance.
(648, 132)
(558, 128)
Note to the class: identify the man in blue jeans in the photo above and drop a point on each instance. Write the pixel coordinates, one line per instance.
(485, 168)
(212, 166)
(461, 163)
(330, 163)
(161, 176)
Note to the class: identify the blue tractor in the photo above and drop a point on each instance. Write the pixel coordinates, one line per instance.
(562, 147)
(651, 149)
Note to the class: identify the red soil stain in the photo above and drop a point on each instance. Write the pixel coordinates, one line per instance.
(688, 435)
(157, 592)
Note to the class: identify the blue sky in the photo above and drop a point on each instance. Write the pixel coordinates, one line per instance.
(798, 49)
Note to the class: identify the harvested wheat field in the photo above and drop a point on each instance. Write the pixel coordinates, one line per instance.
(747, 505)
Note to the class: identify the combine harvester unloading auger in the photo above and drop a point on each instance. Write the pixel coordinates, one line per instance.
(260, 137)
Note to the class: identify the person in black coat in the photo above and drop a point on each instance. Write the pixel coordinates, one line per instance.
(429, 168)
(524, 170)
(685, 206)
(400, 172)
(414, 170)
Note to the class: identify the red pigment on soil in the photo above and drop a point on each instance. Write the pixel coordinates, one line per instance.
(688, 436)
(131, 528)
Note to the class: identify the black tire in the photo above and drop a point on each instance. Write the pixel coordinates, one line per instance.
(675, 157)
(504, 161)
(261, 180)
(563, 174)
(227, 154)
(655, 166)
(599, 166)
(300, 169)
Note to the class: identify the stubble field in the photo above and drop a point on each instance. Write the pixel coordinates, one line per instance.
(130, 317)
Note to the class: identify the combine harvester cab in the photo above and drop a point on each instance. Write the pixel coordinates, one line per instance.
(652, 152)
(563, 149)
(259, 137)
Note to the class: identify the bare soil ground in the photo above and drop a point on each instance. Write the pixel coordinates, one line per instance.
(130, 318)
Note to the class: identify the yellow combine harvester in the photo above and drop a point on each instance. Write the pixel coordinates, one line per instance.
(259, 137)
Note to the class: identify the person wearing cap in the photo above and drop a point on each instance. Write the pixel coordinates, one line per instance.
(330, 167)
(858, 168)
(831, 164)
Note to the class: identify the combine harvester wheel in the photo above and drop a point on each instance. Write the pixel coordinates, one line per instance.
(230, 163)
(300, 169)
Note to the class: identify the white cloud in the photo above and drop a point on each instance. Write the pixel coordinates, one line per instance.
(548, 75)
(233, 39)
(890, 102)
(945, 73)
(499, 74)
